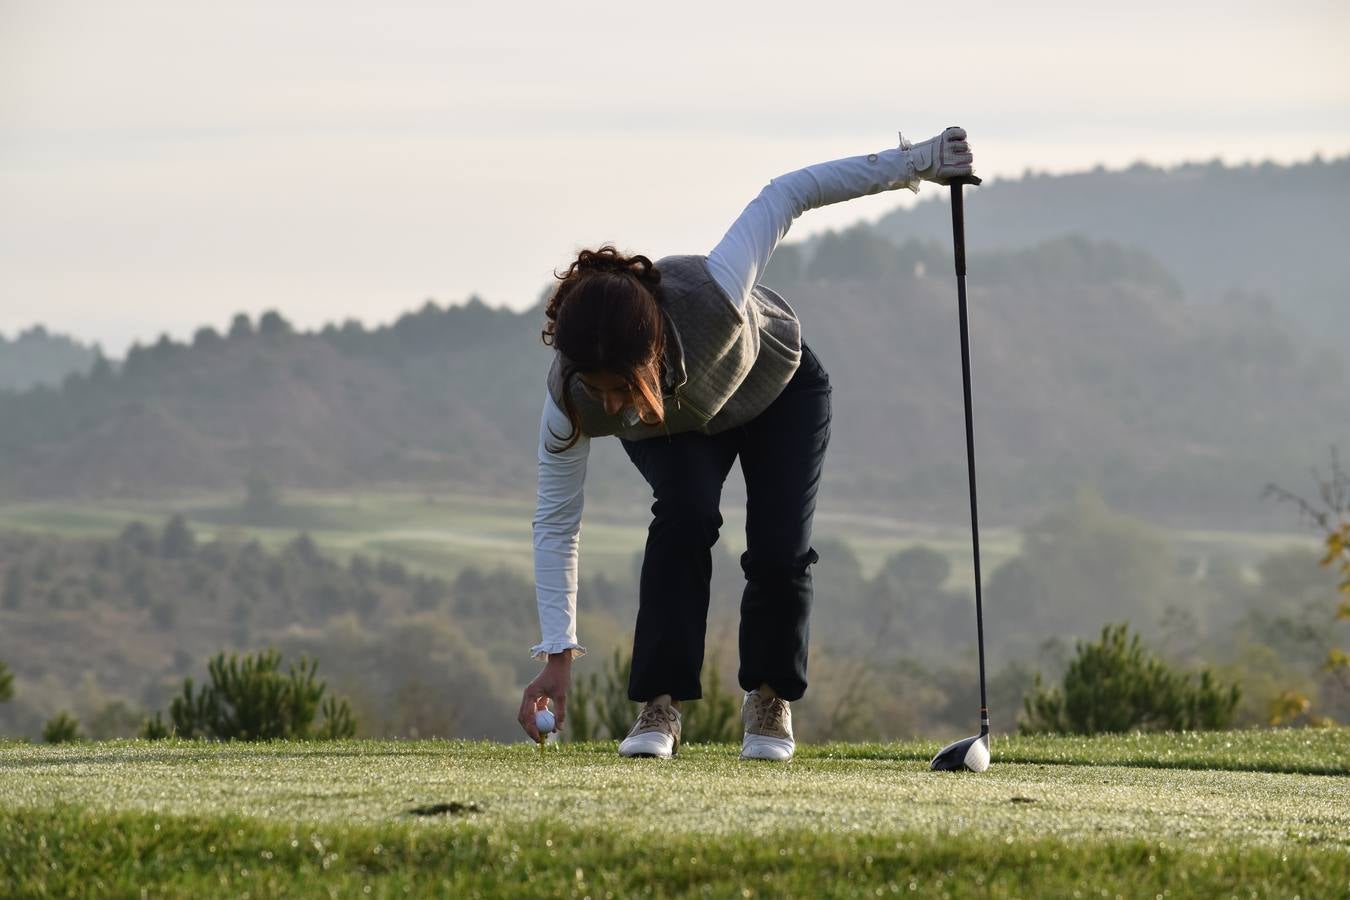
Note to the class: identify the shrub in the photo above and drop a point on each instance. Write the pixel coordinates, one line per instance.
(716, 718)
(154, 729)
(1333, 517)
(61, 728)
(1113, 685)
(177, 540)
(250, 699)
(139, 537)
(338, 722)
(598, 706)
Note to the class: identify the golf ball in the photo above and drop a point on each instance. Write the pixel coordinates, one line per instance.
(544, 721)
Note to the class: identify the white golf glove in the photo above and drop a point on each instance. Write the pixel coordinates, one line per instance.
(942, 158)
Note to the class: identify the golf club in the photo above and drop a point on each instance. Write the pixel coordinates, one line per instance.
(973, 752)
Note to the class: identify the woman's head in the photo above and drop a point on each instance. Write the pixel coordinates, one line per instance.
(605, 321)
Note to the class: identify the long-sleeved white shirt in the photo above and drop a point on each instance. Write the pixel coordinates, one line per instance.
(736, 264)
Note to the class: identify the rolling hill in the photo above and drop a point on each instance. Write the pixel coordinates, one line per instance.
(1095, 362)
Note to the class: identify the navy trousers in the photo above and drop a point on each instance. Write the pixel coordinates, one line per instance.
(782, 452)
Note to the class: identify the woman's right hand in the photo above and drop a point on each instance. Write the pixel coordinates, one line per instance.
(550, 684)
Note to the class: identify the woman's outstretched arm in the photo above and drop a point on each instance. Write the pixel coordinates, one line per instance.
(740, 257)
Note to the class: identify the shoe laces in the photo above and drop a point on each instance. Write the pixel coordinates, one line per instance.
(771, 713)
(655, 715)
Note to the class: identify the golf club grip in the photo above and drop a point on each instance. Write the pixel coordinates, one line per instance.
(959, 229)
(959, 219)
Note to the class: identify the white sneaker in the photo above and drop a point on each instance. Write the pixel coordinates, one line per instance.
(656, 732)
(768, 728)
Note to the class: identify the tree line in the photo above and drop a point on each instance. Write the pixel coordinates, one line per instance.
(110, 629)
(1094, 366)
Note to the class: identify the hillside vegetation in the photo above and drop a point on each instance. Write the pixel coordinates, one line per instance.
(1095, 362)
(107, 627)
(401, 403)
(1089, 367)
(35, 356)
(1272, 230)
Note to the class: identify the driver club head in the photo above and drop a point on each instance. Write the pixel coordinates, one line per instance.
(971, 753)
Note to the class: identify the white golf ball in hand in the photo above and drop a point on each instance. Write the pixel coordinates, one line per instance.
(544, 721)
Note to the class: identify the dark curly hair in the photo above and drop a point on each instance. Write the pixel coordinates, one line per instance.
(605, 316)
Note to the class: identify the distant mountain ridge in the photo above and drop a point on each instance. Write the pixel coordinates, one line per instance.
(1093, 364)
(1263, 228)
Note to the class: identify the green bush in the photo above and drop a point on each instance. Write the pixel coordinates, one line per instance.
(154, 729)
(250, 699)
(177, 540)
(338, 721)
(6, 683)
(716, 717)
(61, 728)
(598, 707)
(1114, 685)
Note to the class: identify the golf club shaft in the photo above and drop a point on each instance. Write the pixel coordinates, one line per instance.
(959, 240)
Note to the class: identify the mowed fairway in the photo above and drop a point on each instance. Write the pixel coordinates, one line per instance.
(1264, 813)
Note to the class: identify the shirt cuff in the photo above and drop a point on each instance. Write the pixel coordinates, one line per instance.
(542, 651)
(912, 178)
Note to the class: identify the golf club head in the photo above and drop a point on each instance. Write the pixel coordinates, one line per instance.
(971, 753)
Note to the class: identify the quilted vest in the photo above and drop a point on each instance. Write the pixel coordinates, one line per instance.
(722, 367)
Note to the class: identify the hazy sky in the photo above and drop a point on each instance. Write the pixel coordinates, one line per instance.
(164, 165)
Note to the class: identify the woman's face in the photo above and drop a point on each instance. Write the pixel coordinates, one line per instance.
(610, 389)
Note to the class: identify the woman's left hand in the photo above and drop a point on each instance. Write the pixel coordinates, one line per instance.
(944, 157)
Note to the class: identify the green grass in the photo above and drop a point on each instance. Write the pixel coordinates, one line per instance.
(1198, 815)
(1311, 751)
